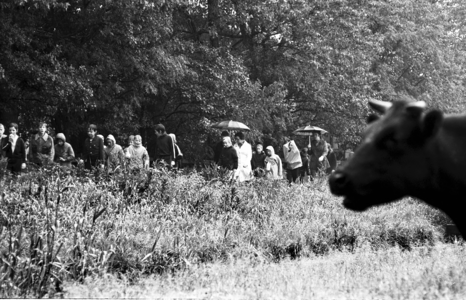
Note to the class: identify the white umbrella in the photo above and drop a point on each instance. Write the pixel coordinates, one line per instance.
(231, 125)
(309, 130)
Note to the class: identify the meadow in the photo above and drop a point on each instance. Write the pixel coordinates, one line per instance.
(61, 234)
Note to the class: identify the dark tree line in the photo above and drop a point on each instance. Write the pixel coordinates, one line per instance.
(275, 65)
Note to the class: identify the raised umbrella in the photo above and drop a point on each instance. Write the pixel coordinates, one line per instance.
(230, 125)
(308, 130)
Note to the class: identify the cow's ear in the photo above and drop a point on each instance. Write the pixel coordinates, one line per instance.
(431, 123)
(379, 106)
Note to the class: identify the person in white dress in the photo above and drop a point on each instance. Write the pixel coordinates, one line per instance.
(244, 150)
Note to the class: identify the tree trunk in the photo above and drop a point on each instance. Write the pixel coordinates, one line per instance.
(212, 21)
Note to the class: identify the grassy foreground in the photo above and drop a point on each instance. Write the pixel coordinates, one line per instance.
(437, 272)
(57, 228)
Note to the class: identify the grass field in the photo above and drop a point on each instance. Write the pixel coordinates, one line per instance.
(437, 272)
(58, 230)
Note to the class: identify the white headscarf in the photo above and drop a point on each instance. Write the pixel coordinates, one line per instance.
(228, 140)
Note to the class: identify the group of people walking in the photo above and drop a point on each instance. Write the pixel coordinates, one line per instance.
(41, 148)
(244, 163)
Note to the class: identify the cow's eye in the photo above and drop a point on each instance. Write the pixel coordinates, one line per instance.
(389, 143)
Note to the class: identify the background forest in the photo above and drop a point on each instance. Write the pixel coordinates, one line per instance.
(272, 64)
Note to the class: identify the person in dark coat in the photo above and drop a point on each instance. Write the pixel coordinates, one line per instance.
(93, 149)
(219, 147)
(319, 151)
(15, 150)
(164, 147)
(332, 159)
(41, 147)
(258, 160)
(228, 157)
(3, 141)
(304, 170)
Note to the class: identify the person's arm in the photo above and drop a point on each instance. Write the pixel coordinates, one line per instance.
(52, 150)
(217, 152)
(280, 167)
(22, 149)
(234, 156)
(69, 154)
(101, 149)
(324, 154)
(249, 154)
(121, 157)
(29, 154)
(172, 147)
(145, 159)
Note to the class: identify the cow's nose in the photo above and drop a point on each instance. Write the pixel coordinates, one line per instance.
(338, 182)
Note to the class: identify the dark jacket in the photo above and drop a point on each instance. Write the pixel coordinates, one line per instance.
(3, 143)
(94, 149)
(258, 160)
(17, 157)
(305, 169)
(229, 158)
(41, 148)
(164, 147)
(218, 151)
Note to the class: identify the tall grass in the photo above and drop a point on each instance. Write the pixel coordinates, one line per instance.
(56, 226)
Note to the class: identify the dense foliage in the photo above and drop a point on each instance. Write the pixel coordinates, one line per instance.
(57, 227)
(275, 65)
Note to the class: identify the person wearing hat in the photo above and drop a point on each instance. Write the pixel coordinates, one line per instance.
(93, 148)
(114, 155)
(164, 148)
(219, 147)
(64, 153)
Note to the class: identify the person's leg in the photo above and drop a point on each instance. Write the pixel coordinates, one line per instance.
(295, 173)
(289, 175)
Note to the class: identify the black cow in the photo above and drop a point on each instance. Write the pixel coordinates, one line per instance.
(407, 152)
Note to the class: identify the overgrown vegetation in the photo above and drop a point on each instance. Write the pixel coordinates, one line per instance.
(58, 227)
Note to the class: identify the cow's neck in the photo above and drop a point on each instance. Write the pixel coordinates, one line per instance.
(446, 182)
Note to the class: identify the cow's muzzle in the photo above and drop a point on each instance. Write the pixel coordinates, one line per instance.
(339, 183)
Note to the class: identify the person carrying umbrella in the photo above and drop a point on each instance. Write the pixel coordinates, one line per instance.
(319, 151)
(229, 156)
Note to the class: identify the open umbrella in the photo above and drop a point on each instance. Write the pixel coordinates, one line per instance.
(230, 125)
(308, 130)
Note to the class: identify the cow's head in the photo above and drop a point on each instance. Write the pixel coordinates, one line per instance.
(391, 159)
